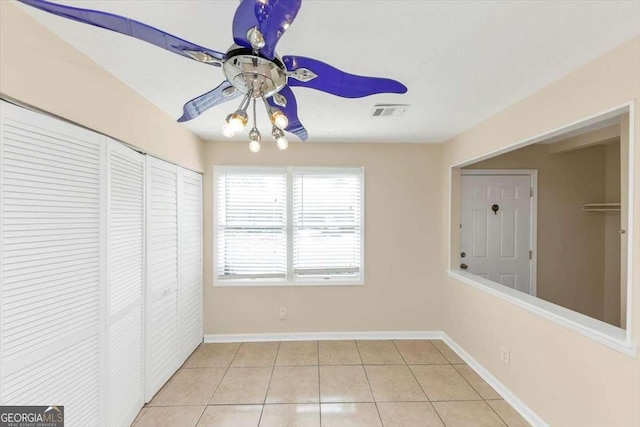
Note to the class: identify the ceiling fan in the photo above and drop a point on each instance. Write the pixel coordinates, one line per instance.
(251, 66)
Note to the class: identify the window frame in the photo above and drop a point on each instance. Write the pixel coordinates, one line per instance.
(290, 277)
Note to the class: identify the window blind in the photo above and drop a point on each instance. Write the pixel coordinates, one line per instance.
(252, 216)
(326, 224)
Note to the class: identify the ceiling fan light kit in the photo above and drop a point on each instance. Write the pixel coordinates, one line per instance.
(251, 66)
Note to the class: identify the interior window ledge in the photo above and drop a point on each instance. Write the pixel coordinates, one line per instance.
(604, 333)
(276, 284)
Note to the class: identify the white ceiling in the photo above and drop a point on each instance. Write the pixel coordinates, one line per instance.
(461, 60)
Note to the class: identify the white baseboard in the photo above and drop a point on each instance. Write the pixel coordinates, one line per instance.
(526, 412)
(517, 404)
(324, 336)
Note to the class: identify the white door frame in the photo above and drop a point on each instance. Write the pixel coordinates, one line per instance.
(533, 229)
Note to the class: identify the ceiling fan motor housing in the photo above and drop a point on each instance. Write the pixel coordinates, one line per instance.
(249, 72)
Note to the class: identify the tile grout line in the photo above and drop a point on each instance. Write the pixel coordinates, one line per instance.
(450, 364)
(183, 367)
(471, 385)
(200, 417)
(456, 369)
(483, 399)
(420, 385)
(441, 353)
(478, 392)
(273, 368)
(468, 383)
(369, 383)
(334, 364)
(401, 355)
(166, 384)
(138, 417)
(219, 382)
(328, 403)
(494, 411)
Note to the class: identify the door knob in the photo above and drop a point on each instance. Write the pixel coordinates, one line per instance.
(464, 266)
(463, 254)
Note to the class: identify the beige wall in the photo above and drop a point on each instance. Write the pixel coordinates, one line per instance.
(403, 189)
(571, 242)
(39, 69)
(567, 379)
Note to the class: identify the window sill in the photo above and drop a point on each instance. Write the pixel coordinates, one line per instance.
(604, 333)
(280, 284)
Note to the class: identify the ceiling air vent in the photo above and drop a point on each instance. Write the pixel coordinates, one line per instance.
(389, 110)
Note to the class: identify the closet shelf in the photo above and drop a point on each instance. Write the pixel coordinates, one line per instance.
(601, 207)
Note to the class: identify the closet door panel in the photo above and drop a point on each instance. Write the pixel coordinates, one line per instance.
(125, 275)
(67, 376)
(162, 309)
(191, 269)
(51, 191)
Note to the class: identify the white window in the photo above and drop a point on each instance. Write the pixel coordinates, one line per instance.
(251, 235)
(288, 226)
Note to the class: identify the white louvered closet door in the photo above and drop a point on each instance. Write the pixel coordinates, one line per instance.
(50, 205)
(125, 277)
(190, 236)
(162, 304)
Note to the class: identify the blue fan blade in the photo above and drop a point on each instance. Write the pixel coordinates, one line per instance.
(336, 82)
(126, 26)
(199, 105)
(272, 17)
(291, 111)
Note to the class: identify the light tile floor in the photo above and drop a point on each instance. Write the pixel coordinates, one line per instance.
(327, 384)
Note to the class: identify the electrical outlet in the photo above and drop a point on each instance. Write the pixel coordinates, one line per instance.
(283, 313)
(505, 356)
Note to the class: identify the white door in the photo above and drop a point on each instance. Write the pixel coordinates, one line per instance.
(190, 239)
(51, 187)
(162, 299)
(496, 223)
(125, 278)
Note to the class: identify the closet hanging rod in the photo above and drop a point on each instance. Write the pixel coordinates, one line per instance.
(601, 207)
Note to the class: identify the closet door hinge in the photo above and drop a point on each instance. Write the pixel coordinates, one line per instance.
(530, 254)
(531, 192)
